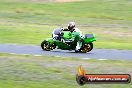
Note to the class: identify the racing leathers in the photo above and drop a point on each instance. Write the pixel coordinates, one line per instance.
(79, 43)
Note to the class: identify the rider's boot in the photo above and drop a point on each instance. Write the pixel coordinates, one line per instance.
(78, 46)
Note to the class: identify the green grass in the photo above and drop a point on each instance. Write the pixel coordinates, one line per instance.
(30, 22)
(24, 33)
(27, 71)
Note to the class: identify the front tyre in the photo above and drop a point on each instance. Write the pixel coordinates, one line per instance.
(87, 48)
(45, 45)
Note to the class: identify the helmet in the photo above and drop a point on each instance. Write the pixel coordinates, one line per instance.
(71, 25)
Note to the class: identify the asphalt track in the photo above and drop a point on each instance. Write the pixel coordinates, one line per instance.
(94, 54)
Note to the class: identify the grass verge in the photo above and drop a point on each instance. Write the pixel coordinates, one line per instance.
(25, 71)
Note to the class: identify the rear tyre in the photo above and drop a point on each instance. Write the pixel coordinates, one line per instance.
(45, 45)
(87, 48)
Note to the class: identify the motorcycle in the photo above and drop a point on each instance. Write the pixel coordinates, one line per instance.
(69, 42)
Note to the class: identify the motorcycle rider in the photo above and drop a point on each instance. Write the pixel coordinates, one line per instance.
(72, 28)
(57, 33)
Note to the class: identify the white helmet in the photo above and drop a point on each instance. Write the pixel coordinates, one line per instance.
(71, 25)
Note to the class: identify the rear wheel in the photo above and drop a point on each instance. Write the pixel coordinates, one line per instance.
(87, 48)
(45, 45)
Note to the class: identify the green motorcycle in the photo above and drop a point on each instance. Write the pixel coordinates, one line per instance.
(69, 42)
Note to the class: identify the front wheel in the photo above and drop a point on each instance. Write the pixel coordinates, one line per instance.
(87, 48)
(45, 45)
